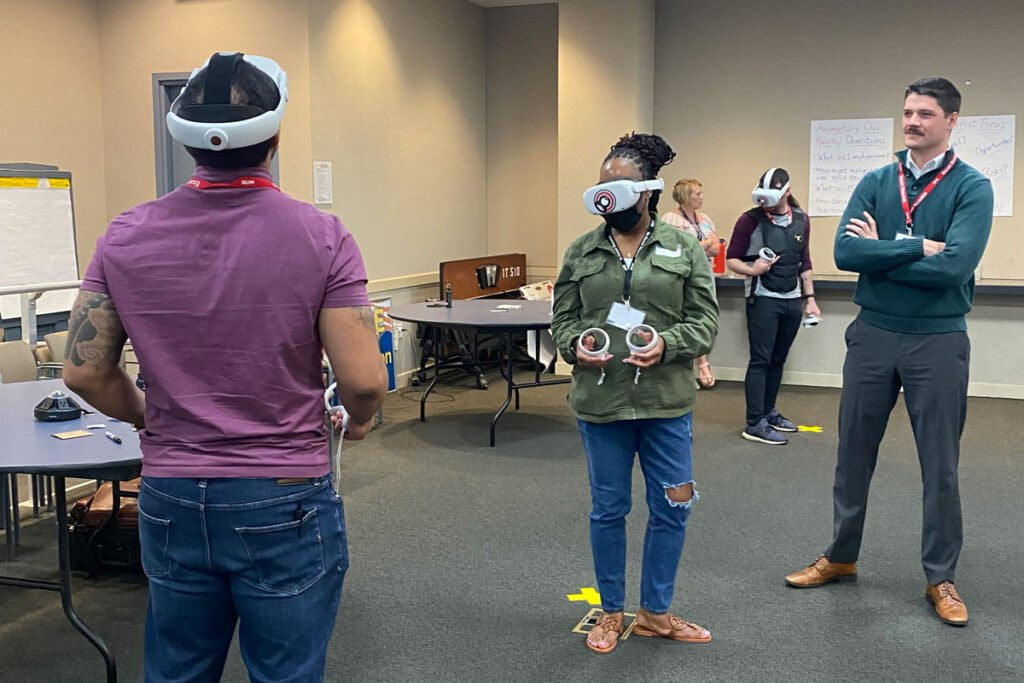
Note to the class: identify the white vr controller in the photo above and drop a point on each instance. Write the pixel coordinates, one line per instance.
(594, 342)
(332, 409)
(764, 195)
(640, 339)
(618, 195)
(221, 135)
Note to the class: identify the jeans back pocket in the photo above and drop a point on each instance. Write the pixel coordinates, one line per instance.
(288, 557)
(154, 534)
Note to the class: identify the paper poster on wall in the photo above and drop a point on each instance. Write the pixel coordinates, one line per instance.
(842, 151)
(37, 228)
(385, 337)
(323, 183)
(986, 143)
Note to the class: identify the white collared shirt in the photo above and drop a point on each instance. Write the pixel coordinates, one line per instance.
(931, 165)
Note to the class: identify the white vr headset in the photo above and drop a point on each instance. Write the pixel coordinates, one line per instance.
(618, 195)
(764, 195)
(217, 124)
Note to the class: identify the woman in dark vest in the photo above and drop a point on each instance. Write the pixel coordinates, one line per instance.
(770, 247)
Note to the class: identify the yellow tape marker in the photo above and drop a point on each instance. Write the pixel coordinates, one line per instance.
(809, 428)
(586, 594)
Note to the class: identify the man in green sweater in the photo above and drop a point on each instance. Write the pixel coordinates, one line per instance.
(915, 231)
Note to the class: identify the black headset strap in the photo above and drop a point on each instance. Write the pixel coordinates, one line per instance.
(220, 70)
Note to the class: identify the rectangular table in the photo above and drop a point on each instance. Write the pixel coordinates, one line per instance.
(30, 448)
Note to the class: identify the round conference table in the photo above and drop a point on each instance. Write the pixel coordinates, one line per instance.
(503, 317)
(29, 447)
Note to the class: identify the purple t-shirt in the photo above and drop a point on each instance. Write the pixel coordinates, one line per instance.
(219, 291)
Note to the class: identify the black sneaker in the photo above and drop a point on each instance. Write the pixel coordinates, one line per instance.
(780, 423)
(763, 432)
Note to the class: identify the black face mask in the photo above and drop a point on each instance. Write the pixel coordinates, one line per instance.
(624, 221)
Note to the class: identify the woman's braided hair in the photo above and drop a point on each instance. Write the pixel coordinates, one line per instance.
(649, 152)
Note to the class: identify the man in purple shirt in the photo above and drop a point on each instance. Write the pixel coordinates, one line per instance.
(230, 290)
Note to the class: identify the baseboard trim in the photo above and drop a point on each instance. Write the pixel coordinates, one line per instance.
(825, 379)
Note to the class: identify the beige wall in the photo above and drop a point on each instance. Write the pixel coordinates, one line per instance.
(398, 108)
(737, 83)
(51, 111)
(522, 134)
(605, 89)
(140, 37)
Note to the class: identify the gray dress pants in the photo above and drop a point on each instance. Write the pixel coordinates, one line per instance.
(933, 371)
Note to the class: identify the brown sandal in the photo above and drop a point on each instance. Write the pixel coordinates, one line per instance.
(608, 623)
(683, 631)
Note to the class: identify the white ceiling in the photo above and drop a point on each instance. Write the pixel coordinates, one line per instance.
(509, 3)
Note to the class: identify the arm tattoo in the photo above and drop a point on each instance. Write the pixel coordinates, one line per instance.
(367, 317)
(95, 333)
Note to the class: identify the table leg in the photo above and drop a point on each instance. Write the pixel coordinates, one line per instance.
(35, 494)
(437, 373)
(5, 514)
(64, 559)
(511, 388)
(15, 499)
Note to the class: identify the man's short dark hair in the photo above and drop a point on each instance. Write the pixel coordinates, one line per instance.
(249, 86)
(944, 92)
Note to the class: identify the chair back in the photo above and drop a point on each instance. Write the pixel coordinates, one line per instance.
(56, 342)
(17, 363)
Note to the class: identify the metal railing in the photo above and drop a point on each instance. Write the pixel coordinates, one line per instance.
(29, 295)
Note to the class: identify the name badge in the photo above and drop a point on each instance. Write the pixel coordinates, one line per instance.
(625, 317)
(905, 236)
(662, 251)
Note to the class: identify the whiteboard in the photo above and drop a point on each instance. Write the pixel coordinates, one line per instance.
(986, 143)
(37, 234)
(842, 151)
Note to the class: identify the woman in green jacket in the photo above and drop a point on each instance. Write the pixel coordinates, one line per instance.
(635, 398)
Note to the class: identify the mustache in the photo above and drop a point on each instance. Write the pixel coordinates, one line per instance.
(913, 129)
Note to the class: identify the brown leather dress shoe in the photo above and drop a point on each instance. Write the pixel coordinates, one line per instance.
(822, 571)
(948, 604)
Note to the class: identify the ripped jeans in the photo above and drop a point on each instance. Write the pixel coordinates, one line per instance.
(664, 446)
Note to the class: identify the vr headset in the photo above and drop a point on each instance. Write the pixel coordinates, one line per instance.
(764, 195)
(216, 124)
(618, 195)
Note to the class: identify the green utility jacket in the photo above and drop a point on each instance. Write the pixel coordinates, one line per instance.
(673, 285)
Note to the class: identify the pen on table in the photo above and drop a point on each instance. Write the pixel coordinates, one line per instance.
(112, 436)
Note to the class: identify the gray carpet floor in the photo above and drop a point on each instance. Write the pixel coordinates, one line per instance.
(463, 555)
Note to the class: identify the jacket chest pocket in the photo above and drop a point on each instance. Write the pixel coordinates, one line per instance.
(597, 282)
(663, 288)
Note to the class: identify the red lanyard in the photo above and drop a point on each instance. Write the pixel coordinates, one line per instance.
(245, 183)
(908, 210)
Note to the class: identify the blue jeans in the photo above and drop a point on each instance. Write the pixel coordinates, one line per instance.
(268, 554)
(664, 446)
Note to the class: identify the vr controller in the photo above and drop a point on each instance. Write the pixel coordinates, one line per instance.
(639, 339)
(594, 342)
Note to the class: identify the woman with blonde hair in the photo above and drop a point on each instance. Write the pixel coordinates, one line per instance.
(688, 195)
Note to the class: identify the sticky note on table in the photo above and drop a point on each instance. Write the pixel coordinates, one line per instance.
(74, 434)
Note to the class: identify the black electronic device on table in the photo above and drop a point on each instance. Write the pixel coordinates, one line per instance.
(57, 407)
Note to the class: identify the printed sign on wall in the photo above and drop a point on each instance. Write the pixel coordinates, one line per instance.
(986, 143)
(842, 151)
